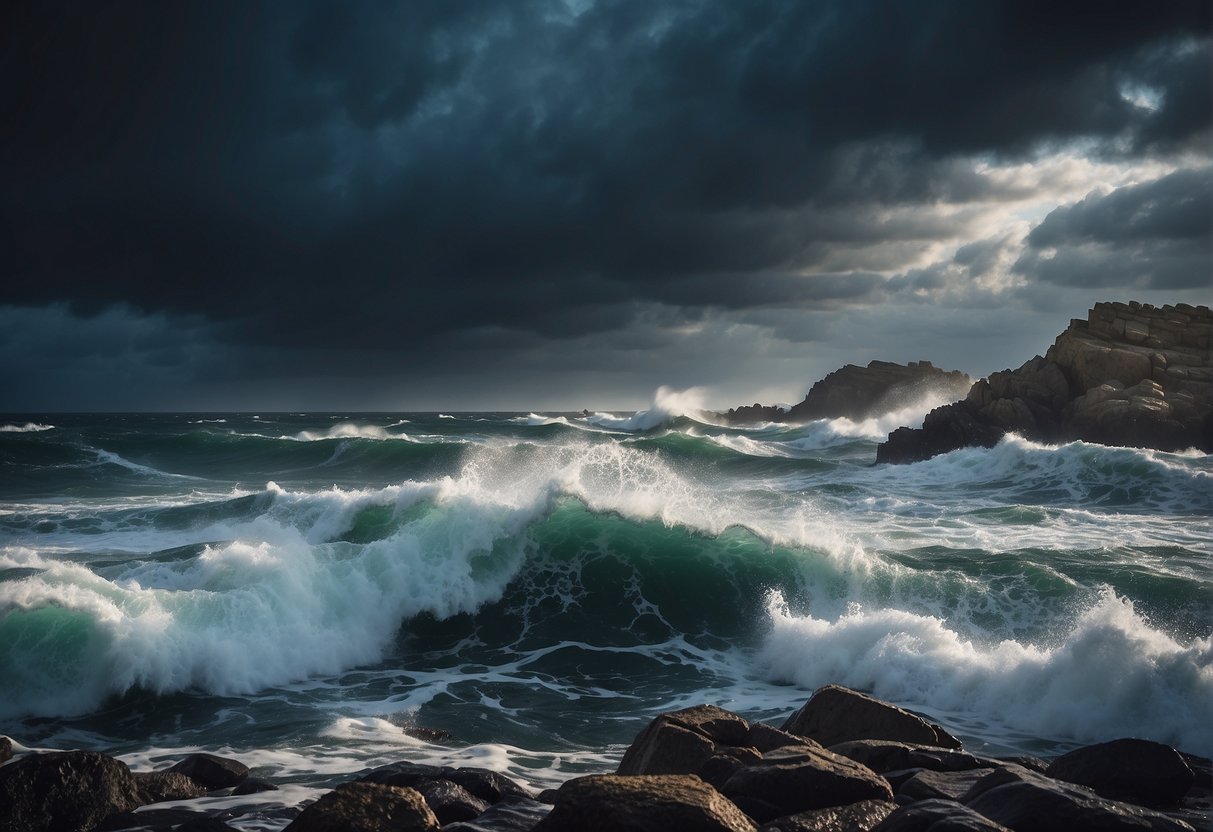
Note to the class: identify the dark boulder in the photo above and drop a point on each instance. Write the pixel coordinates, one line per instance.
(765, 738)
(1137, 771)
(404, 774)
(211, 770)
(1028, 800)
(855, 817)
(366, 807)
(64, 791)
(937, 816)
(254, 785)
(950, 785)
(681, 742)
(6, 749)
(512, 814)
(450, 801)
(796, 778)
(882, 756)
(835, 714)
(642, 803)
(486, 784)
(946, 428)
(159, 786)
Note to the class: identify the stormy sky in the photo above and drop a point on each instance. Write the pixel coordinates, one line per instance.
(565, 203)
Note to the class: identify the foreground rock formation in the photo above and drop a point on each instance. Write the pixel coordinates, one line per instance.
(701, 768)
(1131, 375)
(859, 393)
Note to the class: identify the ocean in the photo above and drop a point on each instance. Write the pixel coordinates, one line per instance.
(315, 594)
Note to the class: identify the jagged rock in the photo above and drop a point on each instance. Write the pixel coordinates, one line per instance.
(486, 784)
(856, 817)
(156, 820)
(681, 742)
(765, 738)
(796, 778)
(64, 791)
(450, 801)
(1027, 800)
(366, 807)
(835, 714)
(721, 767)
(882, 756)
(950, 785)
(404, 774)
(937, 816)
(643, 803)
(512, 814)
(1130, 375)
(860, 392)
(212, 771)
(1137, 771)
(254, 785)
(159, 786)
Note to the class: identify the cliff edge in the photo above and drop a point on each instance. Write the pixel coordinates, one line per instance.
(1132, 375)
(859, 393)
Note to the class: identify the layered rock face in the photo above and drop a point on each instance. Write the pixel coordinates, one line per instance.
(1132, 375)
(859, 392)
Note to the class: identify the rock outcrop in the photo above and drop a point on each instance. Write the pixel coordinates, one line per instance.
(859, 393)
(1131, 375)
(699, 768)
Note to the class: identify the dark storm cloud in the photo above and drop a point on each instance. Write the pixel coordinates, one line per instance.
(1157, 234)
(374, 176)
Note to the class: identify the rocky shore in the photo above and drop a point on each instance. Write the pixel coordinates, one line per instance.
(1131, 374)
(858, 393)
(843, 761)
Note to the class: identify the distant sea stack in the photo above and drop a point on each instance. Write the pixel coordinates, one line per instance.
(859, 393)
(1132, 375)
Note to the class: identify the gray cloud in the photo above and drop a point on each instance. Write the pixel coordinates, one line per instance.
(362, 185)
(1156, 234)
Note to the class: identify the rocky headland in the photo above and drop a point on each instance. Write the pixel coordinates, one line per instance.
(1131, 375)
(842, 761)
(858, 392)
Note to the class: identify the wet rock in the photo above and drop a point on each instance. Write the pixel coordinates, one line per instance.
(856, 817)
(950, 785)
(643, 803)
(159, 786)
(6, 749)
(681, 742)
(367, 807)
(155, 820)
(765, 738)
(835, 714)
(404, 774)
(486, 784)
(512, 814)
(800, 777)
(254, 785)
(1027, 800)
(450, 801)
(937, 816)
(211, 770)
(1137, 771)
(65, 790)
(882, 756)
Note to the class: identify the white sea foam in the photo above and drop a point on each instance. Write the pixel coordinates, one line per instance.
(348, 430)
(668, 404)
(1112, 674)
(28, 427)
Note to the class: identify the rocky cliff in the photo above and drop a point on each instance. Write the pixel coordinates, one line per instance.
(1132, 375)
(859, 393)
